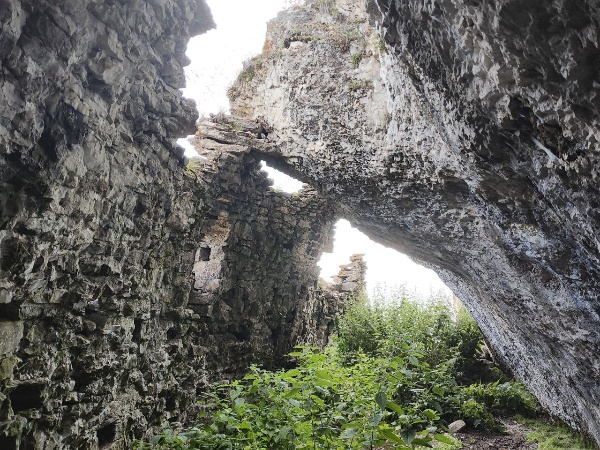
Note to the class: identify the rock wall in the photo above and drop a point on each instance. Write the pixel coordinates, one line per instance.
(466, 136)
(126, 281)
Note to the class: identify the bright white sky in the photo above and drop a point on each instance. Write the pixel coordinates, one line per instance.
(217, 58)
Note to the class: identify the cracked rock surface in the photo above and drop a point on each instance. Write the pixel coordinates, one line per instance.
(465, 136)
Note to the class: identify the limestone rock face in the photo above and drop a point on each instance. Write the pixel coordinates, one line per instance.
(127, 282)
(466, 136)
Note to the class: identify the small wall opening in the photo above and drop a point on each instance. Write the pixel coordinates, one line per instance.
(106, 435)
(173, 333)
(204, 254)
(8, 442)
(27, 396)
(281, 181)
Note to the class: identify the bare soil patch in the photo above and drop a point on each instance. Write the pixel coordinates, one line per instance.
(512, 439)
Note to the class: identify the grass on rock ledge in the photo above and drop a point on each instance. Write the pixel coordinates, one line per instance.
(395, 377)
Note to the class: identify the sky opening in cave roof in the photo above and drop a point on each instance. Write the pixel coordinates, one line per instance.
(216, 59)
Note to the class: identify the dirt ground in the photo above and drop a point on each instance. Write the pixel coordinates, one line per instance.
(514, 439)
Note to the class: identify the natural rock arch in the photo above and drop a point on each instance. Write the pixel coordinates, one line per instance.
(482, 163)
(466, 138)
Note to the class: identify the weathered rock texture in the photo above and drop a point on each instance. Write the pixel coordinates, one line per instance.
(127, 282)
(466, 138)
(255, 270)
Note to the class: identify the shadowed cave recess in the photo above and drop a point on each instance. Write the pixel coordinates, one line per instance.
(462, 133)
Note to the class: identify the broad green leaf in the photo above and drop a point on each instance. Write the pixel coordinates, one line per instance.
(437, 406)
(348, 433)
(430, 414)
(234, 393)
(376, 419)
(284, 432)
(444, 438)
(323, 384)
(413, 360)
(390, 435)
(394, 407)
(408, 436)
(381, 399)
(424, 442)
(324, 375)
(438, 390)
(244, 426)
(291, 374)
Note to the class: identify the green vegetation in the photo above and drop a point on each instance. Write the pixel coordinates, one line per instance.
(194, 166)
(346, 39)
(235, 126)
(361, 85)
(397, 375)
(554, 437)
(325, 6)
(251, 68)
(356, 59)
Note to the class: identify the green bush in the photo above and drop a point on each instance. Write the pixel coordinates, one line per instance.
(404, 326)
(554, 437)
(442, 356)
(505, 398)
(394, 379)
(356, 59)
(321, 404)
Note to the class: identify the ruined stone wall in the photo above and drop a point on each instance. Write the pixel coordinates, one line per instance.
(256, 273)
(105, 324)
(467, 138)
(348, 285)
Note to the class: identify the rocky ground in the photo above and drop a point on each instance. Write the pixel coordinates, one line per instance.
(512, 439)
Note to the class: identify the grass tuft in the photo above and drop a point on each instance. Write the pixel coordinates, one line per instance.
(554, 437)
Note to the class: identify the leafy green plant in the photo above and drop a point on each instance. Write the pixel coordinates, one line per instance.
(554, 437)
(346, 38)
(320, 404)
(361, 85)
(392, 379)
(506, 398)
(194, 166)
(437, 355)
(356, 59)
